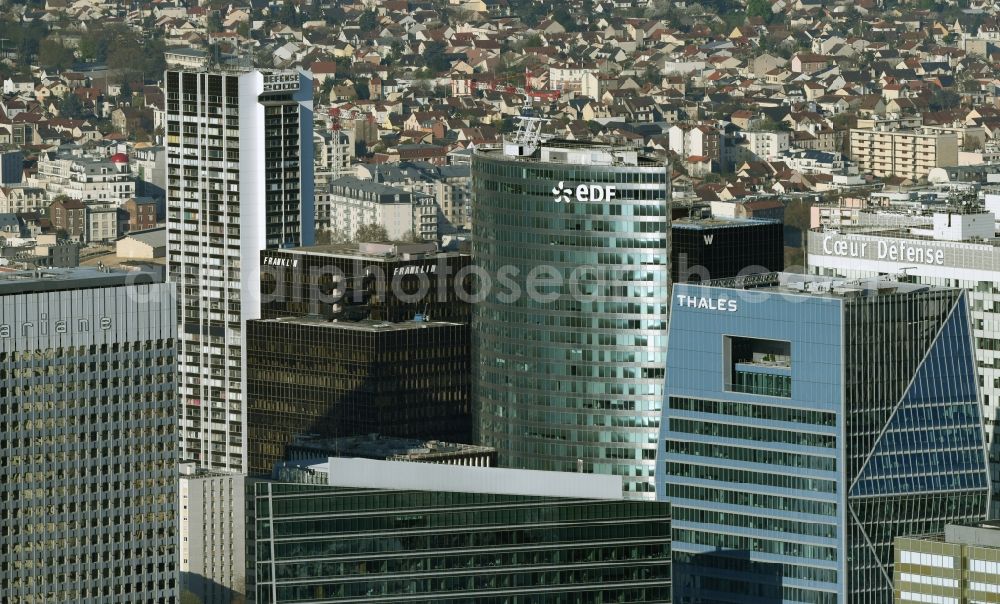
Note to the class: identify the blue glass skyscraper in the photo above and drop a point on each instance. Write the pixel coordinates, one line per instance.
(807, 423)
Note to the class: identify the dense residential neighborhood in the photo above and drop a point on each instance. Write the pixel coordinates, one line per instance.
(801, 102)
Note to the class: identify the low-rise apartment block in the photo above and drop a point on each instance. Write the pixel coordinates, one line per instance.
(904, 153)
(355, 203)
(71, 172)
(762, 145)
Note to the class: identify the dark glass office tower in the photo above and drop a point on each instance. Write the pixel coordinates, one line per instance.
(808, 423)
(715, 248)
(341, 378)
(570, 378)
(379, 281)
(358, 339)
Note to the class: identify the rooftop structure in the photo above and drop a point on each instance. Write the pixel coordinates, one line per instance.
(377, 446)
(562, 151)
(364, 325)
(384, 251)
(61, 279)
(401, 475)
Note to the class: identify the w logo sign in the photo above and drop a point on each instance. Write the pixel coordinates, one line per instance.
(561, 193)
(708, 239)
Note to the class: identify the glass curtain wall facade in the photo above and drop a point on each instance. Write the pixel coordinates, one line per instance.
(322, 544)
(860, 423)
(716, 248)
(571, 379)
(973, 265)
(312, 376)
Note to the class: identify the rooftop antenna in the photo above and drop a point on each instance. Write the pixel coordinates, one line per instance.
(528, 136)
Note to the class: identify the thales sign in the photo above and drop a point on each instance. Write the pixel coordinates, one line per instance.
(895, 251)
(563, 194)
(719, 304)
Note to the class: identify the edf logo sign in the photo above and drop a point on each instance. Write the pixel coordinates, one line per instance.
(563, 194)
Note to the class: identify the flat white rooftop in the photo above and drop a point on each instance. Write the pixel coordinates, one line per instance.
(416, 476)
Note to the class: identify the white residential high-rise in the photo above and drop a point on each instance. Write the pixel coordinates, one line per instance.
(239, 180)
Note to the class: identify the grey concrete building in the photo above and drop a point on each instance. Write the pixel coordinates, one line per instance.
(211, 523)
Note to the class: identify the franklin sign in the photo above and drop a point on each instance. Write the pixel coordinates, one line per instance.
(415, 269)
(894, 251)
(274, 261)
